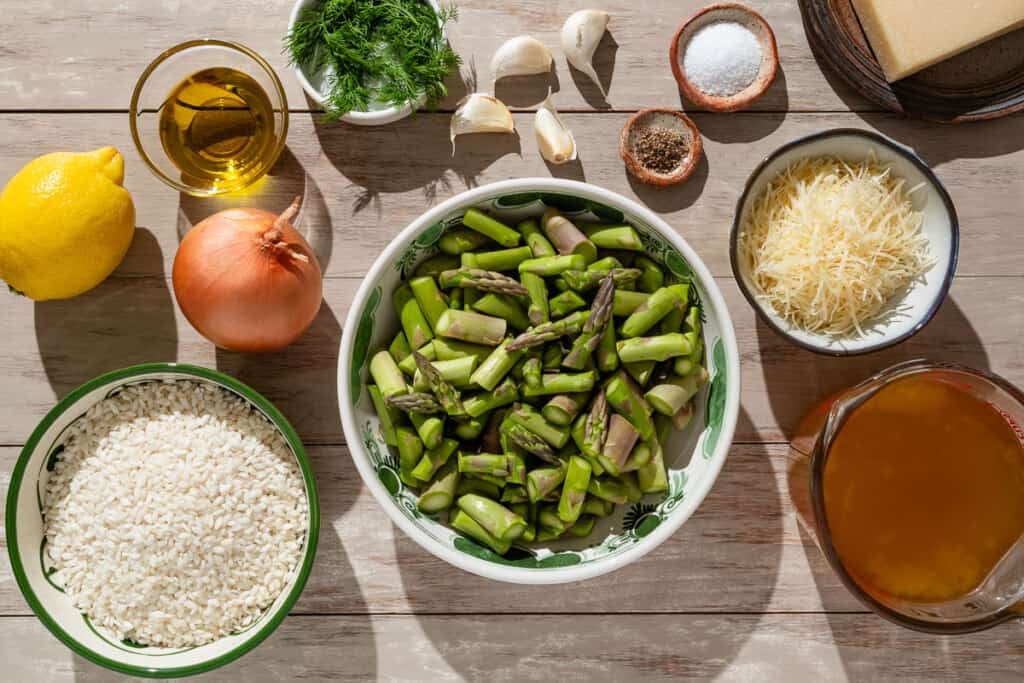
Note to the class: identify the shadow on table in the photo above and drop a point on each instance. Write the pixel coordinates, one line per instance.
(790, 371)
(413, 154)
(123, 321)
(299, 379)
(675, 197)
(763, 121)
(273, 192)
(724, 559)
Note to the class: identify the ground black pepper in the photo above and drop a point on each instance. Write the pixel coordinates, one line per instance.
(661, 150)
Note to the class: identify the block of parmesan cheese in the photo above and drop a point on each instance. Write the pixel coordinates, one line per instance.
(910, 35)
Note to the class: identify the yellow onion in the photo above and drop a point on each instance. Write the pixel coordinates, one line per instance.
(247, 280)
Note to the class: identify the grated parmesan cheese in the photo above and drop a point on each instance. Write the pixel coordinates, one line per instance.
(830, 242)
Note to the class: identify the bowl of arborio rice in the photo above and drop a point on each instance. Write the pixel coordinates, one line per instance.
(162, 520)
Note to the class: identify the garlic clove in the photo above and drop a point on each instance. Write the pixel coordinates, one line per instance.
(480, 113)
(581, 34)
(554, 139)
(521, 56)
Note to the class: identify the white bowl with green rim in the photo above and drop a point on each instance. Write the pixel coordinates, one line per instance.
(32, 568)
(694, 456)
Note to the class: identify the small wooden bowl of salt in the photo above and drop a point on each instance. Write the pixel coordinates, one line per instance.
(724, 57)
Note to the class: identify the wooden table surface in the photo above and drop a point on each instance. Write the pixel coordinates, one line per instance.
(739, 592)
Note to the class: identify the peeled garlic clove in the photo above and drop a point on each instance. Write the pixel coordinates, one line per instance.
(480, 113)
(581, 33)
(521, 56)
(555, 141)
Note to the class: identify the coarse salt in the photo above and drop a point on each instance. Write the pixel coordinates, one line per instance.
(722, 58)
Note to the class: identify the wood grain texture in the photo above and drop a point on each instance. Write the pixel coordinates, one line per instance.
(52, 347)
(741, 552)
(803, 647)
(88, 55)
(362, 186)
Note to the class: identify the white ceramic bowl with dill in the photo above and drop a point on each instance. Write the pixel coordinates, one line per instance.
(315, 84)
(693, 456)
(33, 570)
(906, 313)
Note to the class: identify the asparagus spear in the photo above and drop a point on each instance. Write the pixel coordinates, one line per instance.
(491, 464)
(484, 280)
(656, 307)
(503, 306)
(583, 280)
(456, 372)
(596, 506)
(542, 481)
(565, 303)
(452, 349)
(399, 347)
(495, 518)
(531, 443)
(435, 265)
(537, 292)
(607, 489)
(525, 416)
(548, 266)
(477, 486)
(495, 367)
(566, 237)
(408, 364)
(596, 429)
(389, 417)
(460, 521)
(410, 448)
(446, 394)
(640, 456)
(471, 327)
(440, 493)
(504, 394)
(532, 368)
(496, 230)
(590, 336)
(570, 324)
(385, 373)
(658, 348)
(622, 237)
(563, 383)
(433, 459)
(414, 324)
(574, 490)
(503, 259)
(625, 302)
(538, 243)
(460, 240)
(652, 276)
(415, 402)
(583, 527)
(429, 428)
(516, 471)
(429, 298)
(562, 409)
(672, 394)
(628, 402)
(618, 445)
(607, 356)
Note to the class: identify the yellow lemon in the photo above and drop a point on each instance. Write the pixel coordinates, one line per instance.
(65, 223)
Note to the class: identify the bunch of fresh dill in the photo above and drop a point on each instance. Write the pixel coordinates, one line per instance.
(390, 51)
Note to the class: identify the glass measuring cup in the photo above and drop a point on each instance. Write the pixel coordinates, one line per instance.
(1001, 595)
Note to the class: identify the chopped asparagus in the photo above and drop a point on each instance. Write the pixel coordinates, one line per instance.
(495, 518)
(503, 306)
(414, 323)
(535, 239)
(430, 299)
(461, 240)
(471, 327)
(483, 280)
(496, 230)
(622, 237)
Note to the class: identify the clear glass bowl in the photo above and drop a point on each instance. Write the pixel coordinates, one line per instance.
(164, 74)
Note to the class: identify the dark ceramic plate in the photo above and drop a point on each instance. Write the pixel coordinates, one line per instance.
(983, 83)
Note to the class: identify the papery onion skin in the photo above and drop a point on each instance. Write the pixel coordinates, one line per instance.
(247, 280)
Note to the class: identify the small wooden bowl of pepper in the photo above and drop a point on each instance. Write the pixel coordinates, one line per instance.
(661, 147)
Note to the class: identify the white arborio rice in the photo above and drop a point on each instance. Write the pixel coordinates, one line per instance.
(175, 514)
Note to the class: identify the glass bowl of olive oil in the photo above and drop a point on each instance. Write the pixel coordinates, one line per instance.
(209, 117)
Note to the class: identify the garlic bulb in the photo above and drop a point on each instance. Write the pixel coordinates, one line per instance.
(521, 56)
(480, 113)
(555, 141)
(581, 33)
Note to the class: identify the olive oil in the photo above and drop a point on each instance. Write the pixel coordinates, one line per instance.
(924, 491)
(217, 127)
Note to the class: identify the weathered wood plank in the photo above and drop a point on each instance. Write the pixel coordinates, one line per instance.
(573, 648)
(49, 348)
(81, 55)
(364, 185)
